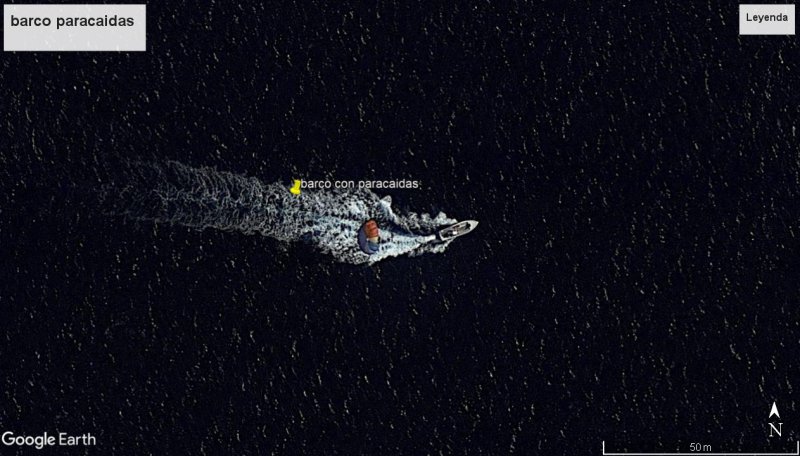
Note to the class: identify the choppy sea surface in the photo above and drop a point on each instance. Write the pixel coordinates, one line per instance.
(633, 280)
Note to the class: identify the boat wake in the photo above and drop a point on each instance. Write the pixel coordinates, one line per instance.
(201, 198)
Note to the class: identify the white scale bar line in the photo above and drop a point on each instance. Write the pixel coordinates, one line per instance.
(695, 453)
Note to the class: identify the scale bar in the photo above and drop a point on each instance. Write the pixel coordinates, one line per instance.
(695, 453)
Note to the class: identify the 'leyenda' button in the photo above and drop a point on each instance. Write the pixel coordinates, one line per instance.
(766, 19)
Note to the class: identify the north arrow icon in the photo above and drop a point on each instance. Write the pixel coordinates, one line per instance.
(774, 411)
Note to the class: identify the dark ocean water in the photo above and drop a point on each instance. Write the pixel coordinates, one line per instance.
(634, 278)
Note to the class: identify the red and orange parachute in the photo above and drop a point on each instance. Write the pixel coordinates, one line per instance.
(369, 237)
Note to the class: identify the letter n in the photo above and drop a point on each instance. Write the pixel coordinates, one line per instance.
(777, 430)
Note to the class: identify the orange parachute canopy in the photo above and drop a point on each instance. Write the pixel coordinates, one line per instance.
(369, 237)
(371, 229)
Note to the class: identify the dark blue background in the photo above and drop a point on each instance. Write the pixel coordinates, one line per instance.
(634, 277)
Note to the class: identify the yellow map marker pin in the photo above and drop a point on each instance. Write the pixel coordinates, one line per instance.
(296, 188)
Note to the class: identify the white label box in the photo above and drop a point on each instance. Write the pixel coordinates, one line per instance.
(773, 19)
(74, 28)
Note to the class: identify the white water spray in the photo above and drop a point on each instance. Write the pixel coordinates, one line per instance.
(327, 219)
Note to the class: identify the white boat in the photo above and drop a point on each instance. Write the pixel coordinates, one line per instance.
(454, 231)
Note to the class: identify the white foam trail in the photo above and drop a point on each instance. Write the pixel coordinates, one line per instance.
(328, 219)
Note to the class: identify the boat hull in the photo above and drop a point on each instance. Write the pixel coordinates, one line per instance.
(457, 230)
